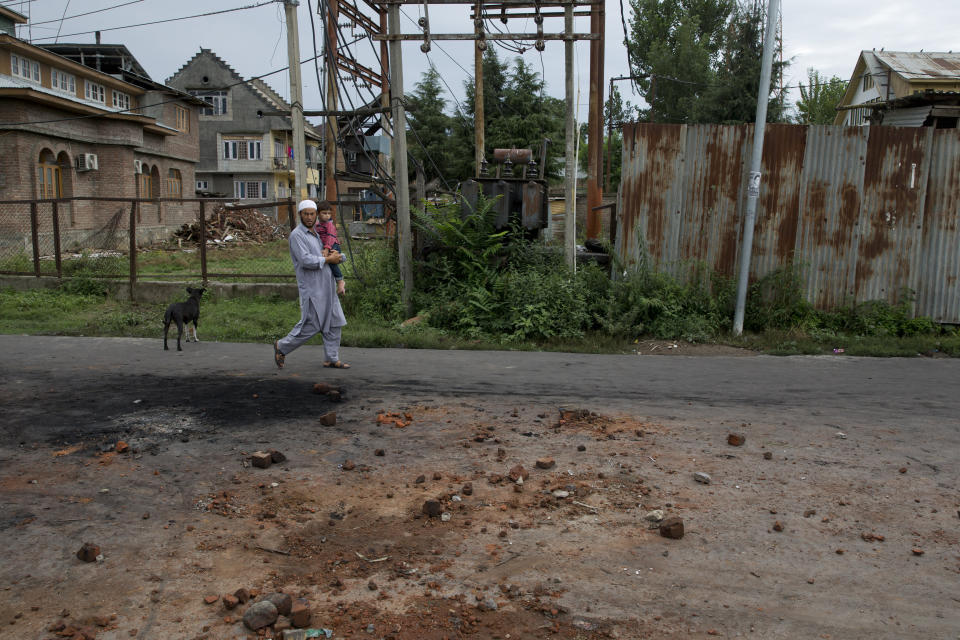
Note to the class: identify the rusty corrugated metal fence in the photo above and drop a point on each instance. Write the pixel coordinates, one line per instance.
(868, 211)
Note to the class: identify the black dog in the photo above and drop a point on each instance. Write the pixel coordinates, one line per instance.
(183, 313)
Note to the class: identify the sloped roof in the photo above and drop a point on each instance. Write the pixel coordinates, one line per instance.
(920, 65)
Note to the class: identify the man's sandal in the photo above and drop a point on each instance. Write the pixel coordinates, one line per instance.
(336, 365)
(277, 356)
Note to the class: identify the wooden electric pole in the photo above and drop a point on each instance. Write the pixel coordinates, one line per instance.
(399, 149)
(296, 99)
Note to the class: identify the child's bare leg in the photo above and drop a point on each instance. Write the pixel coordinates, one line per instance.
(341, 287)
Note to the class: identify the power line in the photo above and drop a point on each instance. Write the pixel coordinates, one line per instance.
(144, 24)
(77, 15)
(67, 6)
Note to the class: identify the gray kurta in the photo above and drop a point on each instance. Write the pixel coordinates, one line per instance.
(320, 308)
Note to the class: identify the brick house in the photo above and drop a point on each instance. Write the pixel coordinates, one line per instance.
(86, 120)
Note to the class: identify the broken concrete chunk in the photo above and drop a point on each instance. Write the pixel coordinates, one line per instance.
(88, 552)
(261, 459)
(545, 463)
(654, 516)
(701, 477)
(260, 614)
(518, 472)
(432, 508)
(276, 457)
(672, 528)
(329, 419)
(736, 439)
(282, 601)
(300, 613)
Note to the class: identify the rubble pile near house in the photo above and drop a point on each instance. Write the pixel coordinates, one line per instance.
(226, 225)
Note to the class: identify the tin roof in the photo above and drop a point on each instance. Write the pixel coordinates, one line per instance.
(920, 65)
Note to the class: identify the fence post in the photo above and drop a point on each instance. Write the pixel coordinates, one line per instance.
(292, 213)
(133, 247)
(203, 242)
(56, 239)
(35, 238)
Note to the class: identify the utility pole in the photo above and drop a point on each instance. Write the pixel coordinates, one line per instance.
(753, 184)
(478, 114)
(399, 150)
(296, 98)
(330, 128)
(595, 125)
(570, 170)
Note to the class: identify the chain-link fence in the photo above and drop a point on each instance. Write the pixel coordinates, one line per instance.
(166, 238)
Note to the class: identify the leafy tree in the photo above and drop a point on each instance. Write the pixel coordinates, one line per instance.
(732, 98)
(701, 60)
(430, 126)
(677, 42)
(819, 98)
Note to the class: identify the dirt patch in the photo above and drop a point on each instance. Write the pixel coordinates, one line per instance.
(572, 551)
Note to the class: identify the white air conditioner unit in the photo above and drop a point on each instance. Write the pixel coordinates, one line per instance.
(87, 162)
(138, 166)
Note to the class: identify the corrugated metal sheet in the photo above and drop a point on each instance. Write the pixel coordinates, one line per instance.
(831, 187)
(938, 295)
(867, 211)
(906, 117)
(921, 65)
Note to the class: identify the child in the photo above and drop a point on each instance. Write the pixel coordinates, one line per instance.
(326, 228)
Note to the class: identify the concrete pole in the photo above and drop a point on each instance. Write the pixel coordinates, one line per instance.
(570, 170)
(404, 239)
(753, 184)
(296, 99)
(478, 113)
(330, 130)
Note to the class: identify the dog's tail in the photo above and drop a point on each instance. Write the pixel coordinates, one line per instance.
(167, 316)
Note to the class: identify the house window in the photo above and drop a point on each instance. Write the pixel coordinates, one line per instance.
(183, 118)
(95, 92)
(174, 184)
(242, 150)
(216, 99)
(248, 190)
(49, 177)
(121, 100)
(202, 185)
(25, 68)
(867, 81)
(63, 81)
(145, 182)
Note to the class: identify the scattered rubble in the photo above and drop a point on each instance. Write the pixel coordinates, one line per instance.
(261, 459)
(702, 478)
(736, 439)
(225, 225)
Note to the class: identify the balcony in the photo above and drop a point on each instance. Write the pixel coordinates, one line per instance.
(281, 163)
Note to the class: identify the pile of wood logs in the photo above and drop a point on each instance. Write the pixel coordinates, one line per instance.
(225, 225)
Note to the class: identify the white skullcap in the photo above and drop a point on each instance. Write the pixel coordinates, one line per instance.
(306, 204)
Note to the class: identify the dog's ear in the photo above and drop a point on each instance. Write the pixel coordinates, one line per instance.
(189, 290)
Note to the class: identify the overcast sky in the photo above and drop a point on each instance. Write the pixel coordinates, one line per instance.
(826, 35)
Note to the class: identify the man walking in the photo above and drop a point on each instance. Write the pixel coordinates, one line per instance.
(320, 310)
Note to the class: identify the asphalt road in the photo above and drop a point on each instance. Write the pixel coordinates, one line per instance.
(895, 471)
(826, 390)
